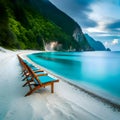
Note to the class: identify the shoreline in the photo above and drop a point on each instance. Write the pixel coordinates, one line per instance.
(101, 98)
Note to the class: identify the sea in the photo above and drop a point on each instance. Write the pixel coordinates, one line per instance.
(97, 71)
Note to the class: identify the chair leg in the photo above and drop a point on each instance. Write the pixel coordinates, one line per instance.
(52, 87)
(29, 86)
(27, 83)
(31, 91)
(25, 78)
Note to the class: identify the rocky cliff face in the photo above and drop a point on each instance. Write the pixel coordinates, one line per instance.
(78, 35)
(80, 38)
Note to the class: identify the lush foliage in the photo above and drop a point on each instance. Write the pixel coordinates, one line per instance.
(22, 27)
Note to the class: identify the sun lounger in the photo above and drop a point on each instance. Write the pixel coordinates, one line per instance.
(35, 78)
(40, 81)
(25, 72)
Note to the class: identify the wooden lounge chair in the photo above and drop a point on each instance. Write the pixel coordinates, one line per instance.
(29, 75)
(40, 81)
(35, 76)
(25, 72)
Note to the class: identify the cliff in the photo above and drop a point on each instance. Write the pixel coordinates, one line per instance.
(96, 45)
(31, 24)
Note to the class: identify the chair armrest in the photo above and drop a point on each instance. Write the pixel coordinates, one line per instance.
(39, 71)
(44, 74)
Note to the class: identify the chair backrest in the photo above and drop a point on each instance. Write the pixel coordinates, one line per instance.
(29, 70)
(22, 63)
(35, 78)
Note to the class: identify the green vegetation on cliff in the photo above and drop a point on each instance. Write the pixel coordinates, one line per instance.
(24, 27)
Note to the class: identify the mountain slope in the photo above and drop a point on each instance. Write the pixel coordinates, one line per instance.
(66, 23)
(48, 10)
(31, 24)
(96, 45)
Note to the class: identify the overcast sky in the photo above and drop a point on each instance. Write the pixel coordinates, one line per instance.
(98, 18)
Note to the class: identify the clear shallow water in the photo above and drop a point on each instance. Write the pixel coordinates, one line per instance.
(99, 69)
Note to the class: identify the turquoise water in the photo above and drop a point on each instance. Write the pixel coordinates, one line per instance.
(100, 69)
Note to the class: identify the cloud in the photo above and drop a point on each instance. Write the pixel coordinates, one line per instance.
(114, 26)
(106, 43)
(105, 34)
(85, 21)
(77, 9)
(114, 42)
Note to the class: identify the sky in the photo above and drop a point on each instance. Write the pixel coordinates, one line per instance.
(98, 18)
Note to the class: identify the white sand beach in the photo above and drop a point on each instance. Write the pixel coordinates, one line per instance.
(67, 103)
